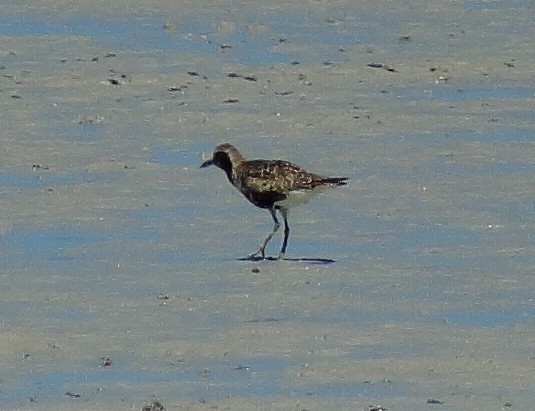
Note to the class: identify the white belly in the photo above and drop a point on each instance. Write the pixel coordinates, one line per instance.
(298, 197)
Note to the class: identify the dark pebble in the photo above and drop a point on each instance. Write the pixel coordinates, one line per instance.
(72, 395)
(383, 66)
(40, 167)
(154, 406)
(105, 362)
(179, 88)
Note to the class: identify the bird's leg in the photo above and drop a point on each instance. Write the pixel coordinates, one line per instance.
(284, 213)
(276, 225)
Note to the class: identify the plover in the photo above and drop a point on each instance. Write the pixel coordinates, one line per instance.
(275, 185)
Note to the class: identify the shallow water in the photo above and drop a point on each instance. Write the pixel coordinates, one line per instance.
(413, 283)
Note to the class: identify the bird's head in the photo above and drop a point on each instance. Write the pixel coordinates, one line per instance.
(226, 157)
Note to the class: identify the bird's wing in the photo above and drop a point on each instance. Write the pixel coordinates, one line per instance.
(276, 176)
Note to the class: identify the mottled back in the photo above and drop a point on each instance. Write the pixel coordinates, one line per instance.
(276, 175)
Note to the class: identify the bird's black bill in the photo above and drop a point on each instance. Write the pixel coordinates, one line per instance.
(207, 163)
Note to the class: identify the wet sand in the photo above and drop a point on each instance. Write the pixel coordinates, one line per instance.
(122, 284)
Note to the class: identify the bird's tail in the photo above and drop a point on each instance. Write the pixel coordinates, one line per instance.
(337, 181)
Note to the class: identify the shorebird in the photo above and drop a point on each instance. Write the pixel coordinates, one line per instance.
(275, 185)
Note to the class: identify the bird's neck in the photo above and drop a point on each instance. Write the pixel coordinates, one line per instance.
(232, 170)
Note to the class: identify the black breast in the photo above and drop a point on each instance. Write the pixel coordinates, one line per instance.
(264, 199)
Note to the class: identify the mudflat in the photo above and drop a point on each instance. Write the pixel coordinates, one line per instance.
(123, 284)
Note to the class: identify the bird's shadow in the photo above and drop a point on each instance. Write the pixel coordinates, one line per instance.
(309, 260)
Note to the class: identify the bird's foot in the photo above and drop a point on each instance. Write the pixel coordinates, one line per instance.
(258, 254)
(281, 256)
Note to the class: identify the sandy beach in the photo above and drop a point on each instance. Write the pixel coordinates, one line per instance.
(122, 281)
